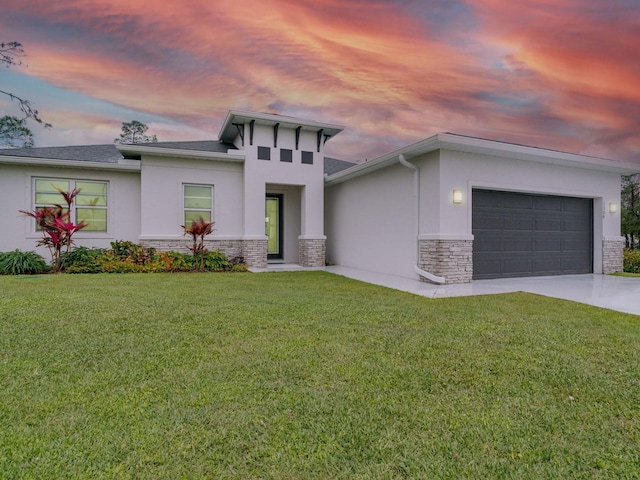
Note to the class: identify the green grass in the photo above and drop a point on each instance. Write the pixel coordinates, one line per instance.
(308, 375)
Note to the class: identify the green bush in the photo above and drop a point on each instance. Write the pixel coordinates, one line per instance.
(631, 261)
(133, 253)
(83, 260)
(175, 262)
(20, 263)
(215, 261)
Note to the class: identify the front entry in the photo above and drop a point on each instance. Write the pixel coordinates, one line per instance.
(273, 226)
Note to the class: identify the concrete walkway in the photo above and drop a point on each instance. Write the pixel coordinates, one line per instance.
(615, 293)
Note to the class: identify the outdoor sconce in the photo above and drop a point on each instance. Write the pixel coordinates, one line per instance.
(457, 196)
(613, 207)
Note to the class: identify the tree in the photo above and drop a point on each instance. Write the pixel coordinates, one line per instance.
(11, 54)
(631, 209)
(14, 132)
(135, 132)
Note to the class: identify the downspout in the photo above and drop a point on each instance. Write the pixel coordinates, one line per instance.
(416, 221)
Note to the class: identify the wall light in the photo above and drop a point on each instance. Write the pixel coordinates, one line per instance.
(613, 207)
(457, 196)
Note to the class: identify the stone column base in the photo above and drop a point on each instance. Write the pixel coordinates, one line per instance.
(311, 252)
(451, 259)
(612, 249)
(254, 252)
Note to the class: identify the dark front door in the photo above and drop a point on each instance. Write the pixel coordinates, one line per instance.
(273, 226)
(518, 235)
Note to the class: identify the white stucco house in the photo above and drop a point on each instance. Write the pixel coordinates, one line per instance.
(448, 209)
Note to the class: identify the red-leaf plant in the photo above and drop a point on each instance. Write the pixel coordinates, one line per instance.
(198, 229)
(57, 227)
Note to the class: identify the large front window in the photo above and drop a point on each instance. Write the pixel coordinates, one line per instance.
(90, 204)
(198, 202)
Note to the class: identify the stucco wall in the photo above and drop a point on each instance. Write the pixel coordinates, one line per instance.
(370, 218)
(162, 196)
(16, 193)
(369, 222)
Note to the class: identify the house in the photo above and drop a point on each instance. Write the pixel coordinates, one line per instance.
(446, 209)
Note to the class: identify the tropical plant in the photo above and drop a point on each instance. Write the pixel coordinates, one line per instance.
(198, 230)
(57, 227)
(82, 260)
(19, 263)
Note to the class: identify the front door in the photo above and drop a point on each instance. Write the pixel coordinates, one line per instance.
(273, 226)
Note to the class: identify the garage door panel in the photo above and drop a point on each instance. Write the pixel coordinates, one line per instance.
(550, 224)
(530, 234)
(546, 203)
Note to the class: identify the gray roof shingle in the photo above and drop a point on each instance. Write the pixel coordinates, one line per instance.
(333, 165)
(110, 154)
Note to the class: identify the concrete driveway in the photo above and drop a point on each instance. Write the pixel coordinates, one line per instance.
(615, 293)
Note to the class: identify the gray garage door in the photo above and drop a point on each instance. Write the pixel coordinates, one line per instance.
(517, 235)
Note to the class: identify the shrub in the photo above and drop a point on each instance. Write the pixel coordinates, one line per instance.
(175, 262)
(198, 230)
(133, 253)
(215, 261)
(57, 227)
(631, 261)
(83, 260)
(19, 263)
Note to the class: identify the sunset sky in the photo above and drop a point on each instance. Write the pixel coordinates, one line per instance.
(559, 74)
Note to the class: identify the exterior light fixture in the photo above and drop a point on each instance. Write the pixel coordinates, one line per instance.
(457, 196)
(613, 207)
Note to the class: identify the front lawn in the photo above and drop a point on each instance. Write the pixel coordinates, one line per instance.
(308, 375)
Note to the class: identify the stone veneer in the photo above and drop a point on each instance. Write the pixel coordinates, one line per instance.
(451, 259)
(311, 252)
(254, 251)
(231, 248)
(612, 249)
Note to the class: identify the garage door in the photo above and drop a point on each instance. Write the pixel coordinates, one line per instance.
(518, 235)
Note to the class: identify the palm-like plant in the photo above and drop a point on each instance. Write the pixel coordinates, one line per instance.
(57, 227)
(198, 230)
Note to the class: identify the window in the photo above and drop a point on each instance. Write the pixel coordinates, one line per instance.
(198, 202)
(286, 155)
(264, 153)
(90, 204)
(307, 157)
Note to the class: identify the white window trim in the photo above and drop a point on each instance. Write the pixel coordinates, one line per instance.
(72, 183)
(184, 208)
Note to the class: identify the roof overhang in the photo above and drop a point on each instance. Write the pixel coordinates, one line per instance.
(149, 149)
(479, 146)
(123, 165)
(229, 130)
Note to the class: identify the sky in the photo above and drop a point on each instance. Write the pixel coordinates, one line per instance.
(557, 74)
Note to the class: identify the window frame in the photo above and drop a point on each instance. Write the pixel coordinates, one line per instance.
(72, 183)
(185, 209)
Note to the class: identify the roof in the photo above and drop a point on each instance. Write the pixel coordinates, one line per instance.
(87, 153)
(333, 165)
(83, 155)
(481, 146)
(229, 131)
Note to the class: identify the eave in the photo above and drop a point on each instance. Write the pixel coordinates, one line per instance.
(123, 165)
(146, 149)
(229, 131)
(452, 142)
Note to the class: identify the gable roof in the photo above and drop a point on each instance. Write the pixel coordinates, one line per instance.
(481, 146)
